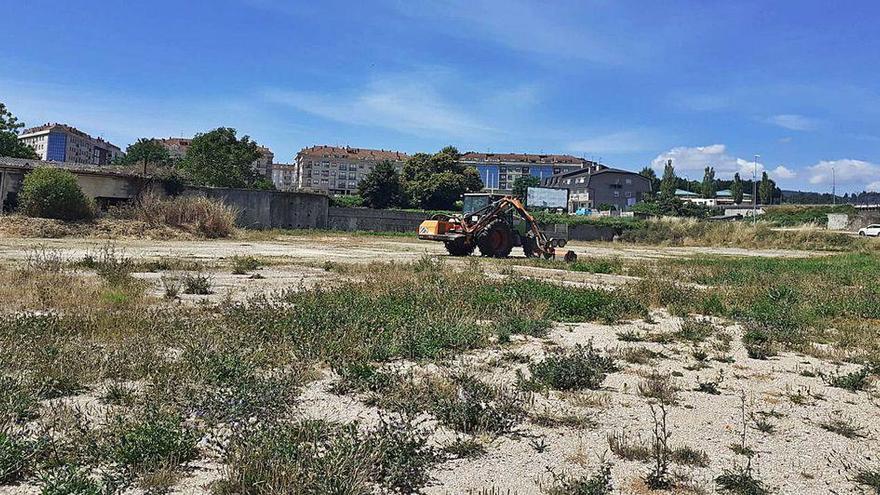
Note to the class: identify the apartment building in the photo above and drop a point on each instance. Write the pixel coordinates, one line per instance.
(338, 170)
(64, 143)
(599, 185)
(284, 176)
(499, 170)
(177, 148)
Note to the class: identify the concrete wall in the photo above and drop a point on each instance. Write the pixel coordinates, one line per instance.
(837, 221)
(581, 232)
(271, 209)
(365, 219)
(861, 219)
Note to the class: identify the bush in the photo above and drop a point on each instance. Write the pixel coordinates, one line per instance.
(577, 369)
(54, 193)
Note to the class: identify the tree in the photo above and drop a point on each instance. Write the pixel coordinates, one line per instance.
(651, 175)
(218, 158)
(765, 189)
(437, 181)
(708, 185)
(668, 184)
(736, 189)
(522, 184)
(146, 151)
(53, 193)
(9, 144)
(381, 188)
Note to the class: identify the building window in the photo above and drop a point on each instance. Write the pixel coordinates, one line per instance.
(628, 194)
(629, 181)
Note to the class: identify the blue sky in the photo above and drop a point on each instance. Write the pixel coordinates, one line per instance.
(629, 83)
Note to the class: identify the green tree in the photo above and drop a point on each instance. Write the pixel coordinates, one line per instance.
(436, 182)
(381, 188)
(218, 158)
(146, 152)
(708, 186)
(765, 189)
(53, 193)
(669, 182)
(651, 175)
(736, 189)
(522, 184)
(9, 144)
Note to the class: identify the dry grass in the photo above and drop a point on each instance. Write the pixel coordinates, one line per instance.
(205, 217)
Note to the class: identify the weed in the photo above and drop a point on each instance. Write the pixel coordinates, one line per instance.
(198, 283)
(118, 395)
(538, 444)
(843, 426)
(241, 265)
(638, 355)
(628, 448)
(69, 480)
(689, 456)
(599, 483)
(630, 335)
(465, 448)
(150, 441)
(740, 481)
(14, 457)
(472, 406)
(17, 402)
(853, 381)
(362, 377)
(658, 477)
(660, 387)
(711, 386)
(695, 329)
(171, 286)
(551, 419)
(320, 457)
(579, 368)
(514, 324)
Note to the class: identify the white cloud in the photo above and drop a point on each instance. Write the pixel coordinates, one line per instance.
(793, 122)
(873, 187)
(846, 173)
(782, 172)
(407, 103)
(629, 141)
(547, 29)
(691, 160)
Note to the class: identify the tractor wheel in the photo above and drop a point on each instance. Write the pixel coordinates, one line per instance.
(459, 247)
(530, 246)
(496, 240)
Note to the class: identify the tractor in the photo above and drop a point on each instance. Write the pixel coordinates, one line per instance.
(495, 230)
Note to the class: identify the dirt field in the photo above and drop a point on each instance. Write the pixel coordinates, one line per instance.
(781, 409)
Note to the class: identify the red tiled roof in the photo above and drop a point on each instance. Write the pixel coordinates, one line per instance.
(522, 158)
(352, 153)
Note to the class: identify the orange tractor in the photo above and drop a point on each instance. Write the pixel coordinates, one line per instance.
(495, 229)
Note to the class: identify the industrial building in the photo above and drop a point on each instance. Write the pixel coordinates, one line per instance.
(64, 143)
(498, 171)
(600, 185)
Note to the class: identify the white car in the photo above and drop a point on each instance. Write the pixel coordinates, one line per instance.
(872, 230)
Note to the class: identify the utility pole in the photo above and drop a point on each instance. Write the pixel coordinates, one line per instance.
(755, 191)
(833, 188)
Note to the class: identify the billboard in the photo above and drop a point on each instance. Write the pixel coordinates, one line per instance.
(546, 197)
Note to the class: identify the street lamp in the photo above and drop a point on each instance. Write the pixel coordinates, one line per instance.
(755, 191)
